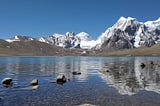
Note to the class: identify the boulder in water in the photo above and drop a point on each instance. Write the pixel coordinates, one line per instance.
(7, 82)
(34, 82)
(61, 79)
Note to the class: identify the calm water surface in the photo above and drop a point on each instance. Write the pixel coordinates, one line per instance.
(104, 81)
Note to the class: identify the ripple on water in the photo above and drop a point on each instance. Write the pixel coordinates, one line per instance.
(126, 83)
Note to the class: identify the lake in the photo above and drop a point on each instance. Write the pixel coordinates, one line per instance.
(103, 81)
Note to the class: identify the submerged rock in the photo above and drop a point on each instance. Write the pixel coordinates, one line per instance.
(61, 79)
(34, 82)
(104, 70)
(35, 87)
(152, 63)
(76, 73)
(142, 65)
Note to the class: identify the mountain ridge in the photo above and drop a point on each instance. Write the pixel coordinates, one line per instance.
(130, 29)
(126, 33)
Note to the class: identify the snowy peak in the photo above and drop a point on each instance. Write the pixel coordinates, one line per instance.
(83, 36)
(71, 40)
(23, 38)
(123, 19)
(153, 24)
(125, 33)
(129, 33)
(86, 41)
(20, 38)
(128, 18)
(70, 34)
(156, 22)
(68, 40)
(56, 35)
(123, 22)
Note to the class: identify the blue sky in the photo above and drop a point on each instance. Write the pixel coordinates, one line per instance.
(44, 17)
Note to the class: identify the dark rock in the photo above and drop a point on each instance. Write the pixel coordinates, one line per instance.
(107, 70)
(142, 65)
(34, 82)
(61, 79)
(7, 82)
(152, 63)
(76, 73)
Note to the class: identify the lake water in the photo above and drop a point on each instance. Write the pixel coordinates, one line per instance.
(104, 81)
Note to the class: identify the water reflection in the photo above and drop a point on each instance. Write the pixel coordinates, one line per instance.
(124, 74)
(101, 81)
(128, 77)
(23, 69)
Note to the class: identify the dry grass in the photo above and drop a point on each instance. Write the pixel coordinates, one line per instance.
(33, 48)
(151, 51)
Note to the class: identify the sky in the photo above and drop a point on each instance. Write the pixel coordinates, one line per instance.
(39, 18)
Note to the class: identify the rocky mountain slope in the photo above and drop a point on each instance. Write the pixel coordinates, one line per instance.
(126, 33)
(129, 33)
(69, 40)
(34, 48)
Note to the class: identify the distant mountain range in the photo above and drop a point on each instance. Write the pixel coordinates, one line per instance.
(125, 33)
(69, 40)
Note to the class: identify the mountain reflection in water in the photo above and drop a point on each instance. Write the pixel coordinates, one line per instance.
(128, 77)
(103, 81)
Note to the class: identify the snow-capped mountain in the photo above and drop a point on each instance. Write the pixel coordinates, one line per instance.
(125, 33)
(66, 41)
(70, 40)
(20, 38)
(83, 36)
(129, 33)
(86, 41)
(152, 25)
